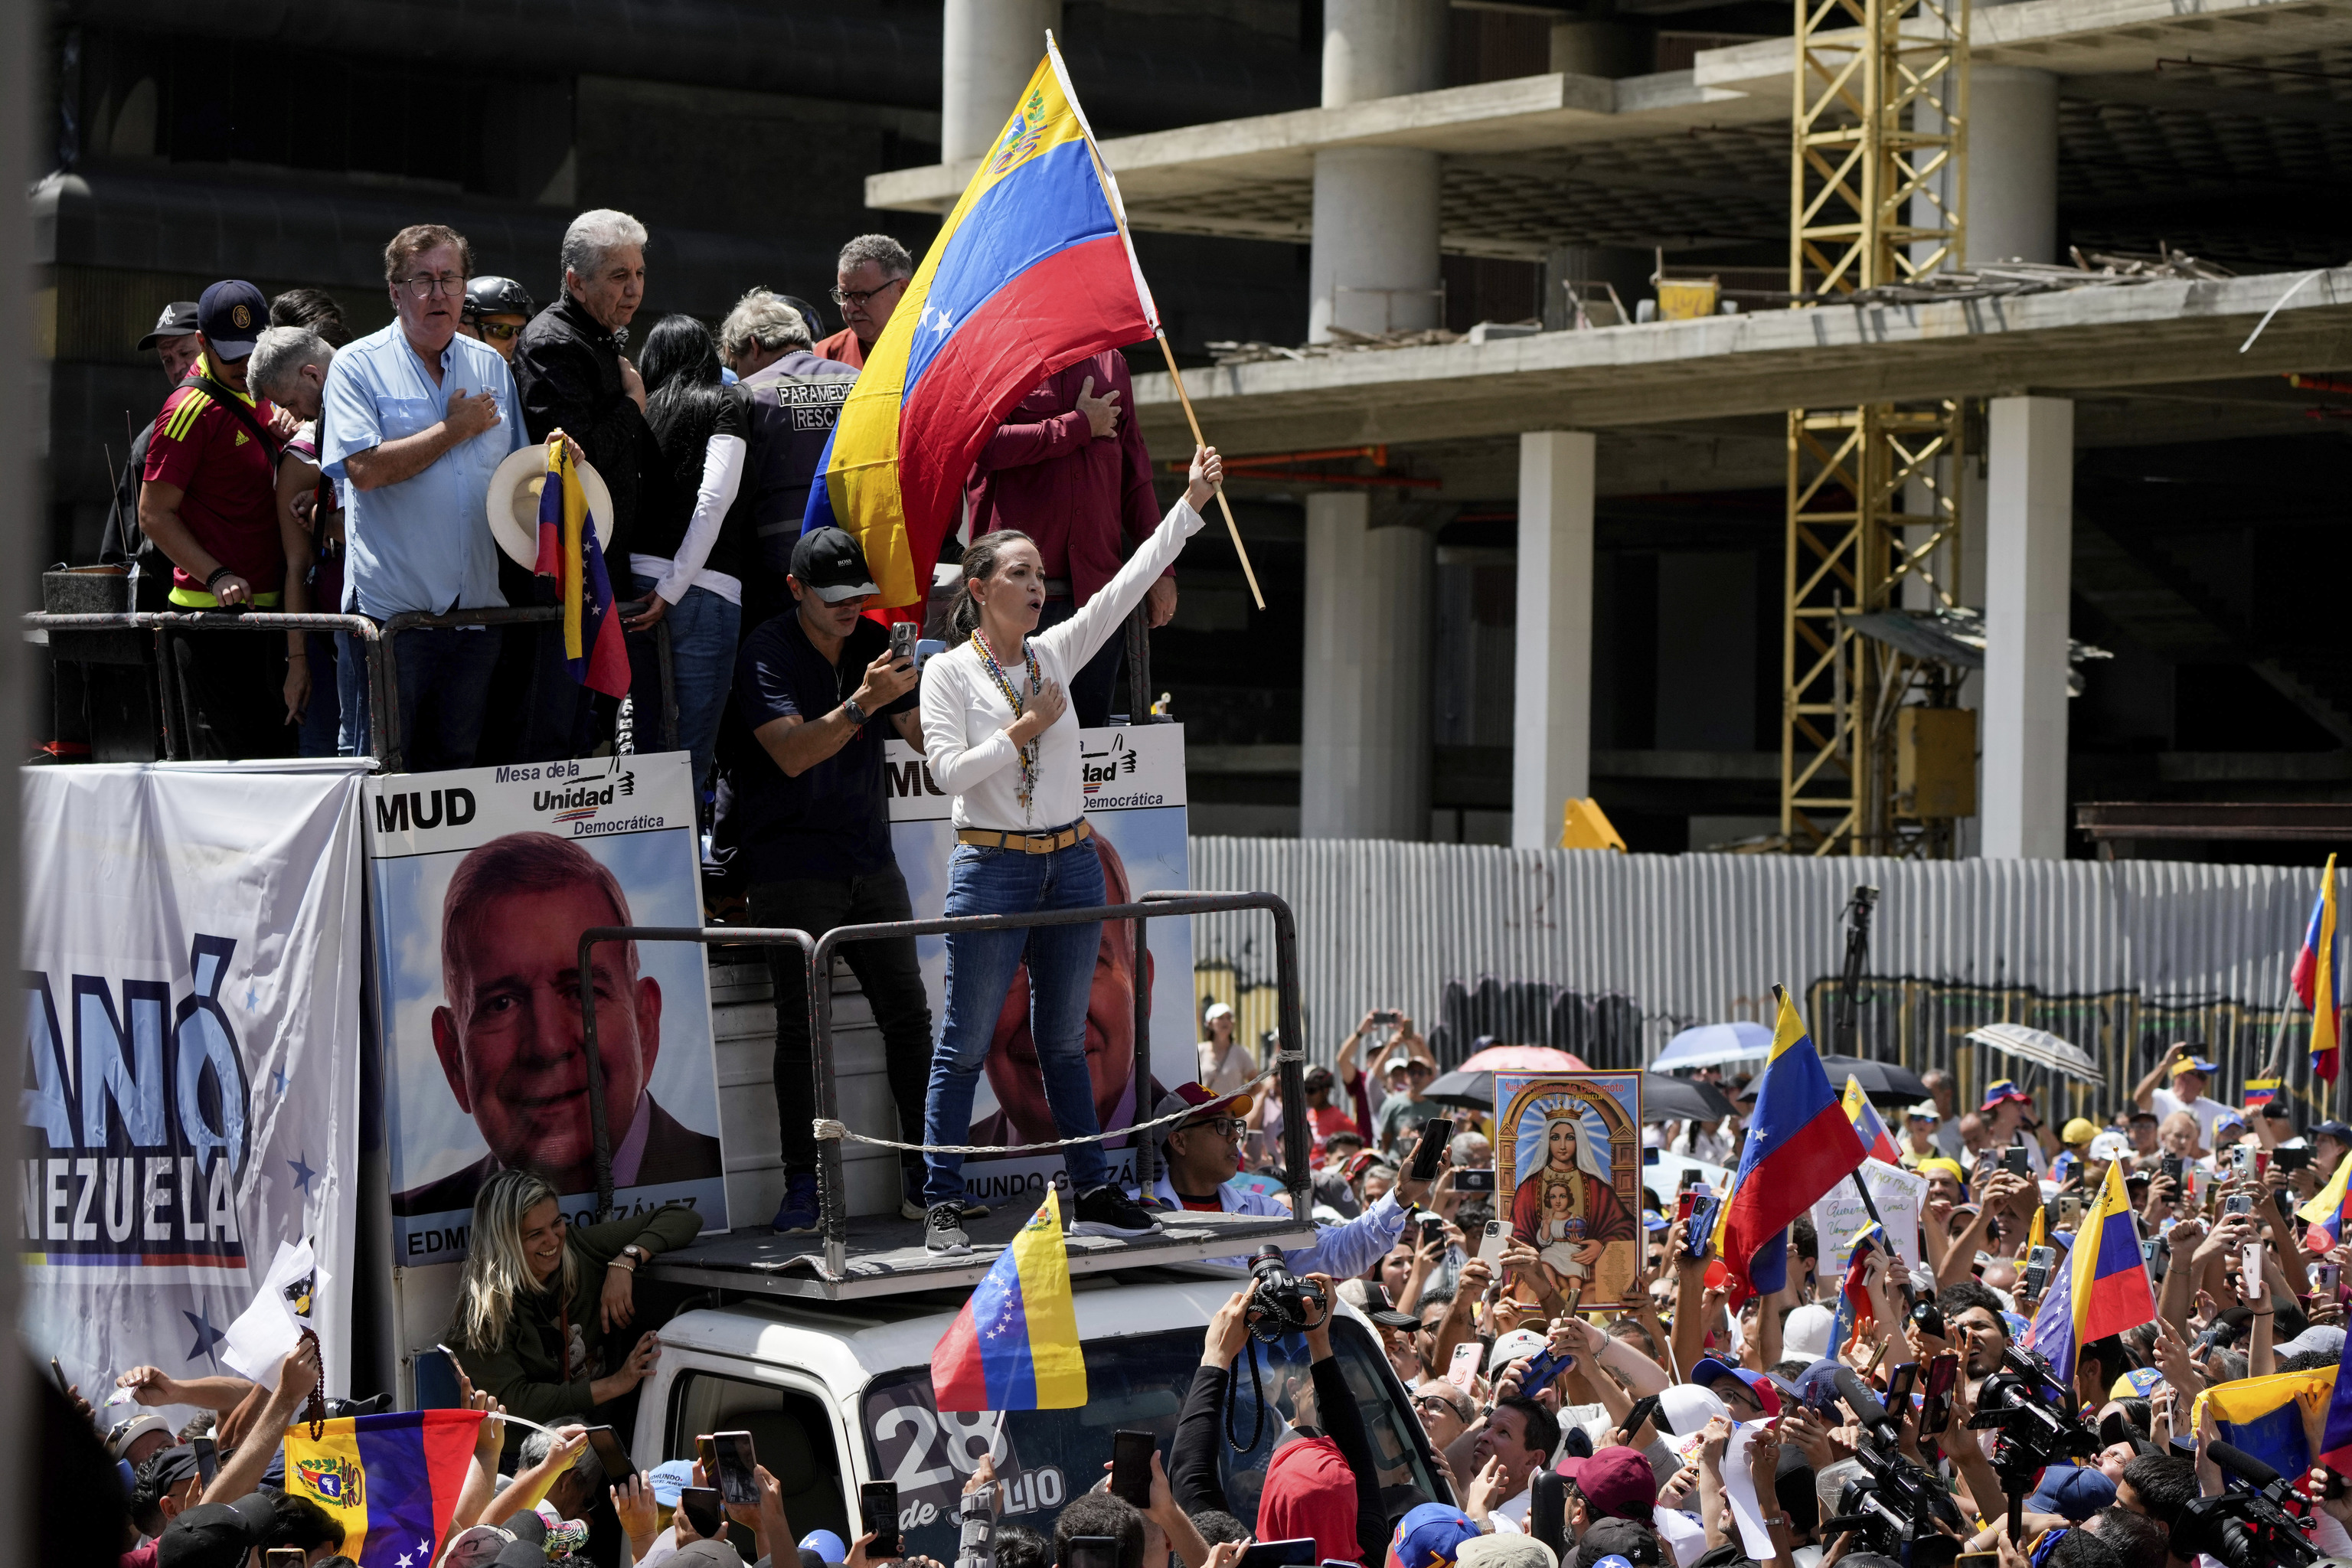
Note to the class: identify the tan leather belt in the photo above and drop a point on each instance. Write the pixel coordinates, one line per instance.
(1077, 832)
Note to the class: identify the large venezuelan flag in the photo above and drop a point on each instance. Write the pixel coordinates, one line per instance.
(2316, 982)
(1014, 1346)
(1800, 1145)
(2109, 1277)
(2276, 1419)
(570, 552)
(1032, 272)
(391, 1481)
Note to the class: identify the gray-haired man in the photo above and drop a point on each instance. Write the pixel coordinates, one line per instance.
(870, 279)
(794, 397)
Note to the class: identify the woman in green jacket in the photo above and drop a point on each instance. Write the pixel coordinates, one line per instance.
(537, 1299)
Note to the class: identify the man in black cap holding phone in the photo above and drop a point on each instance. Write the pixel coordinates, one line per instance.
(819, 688)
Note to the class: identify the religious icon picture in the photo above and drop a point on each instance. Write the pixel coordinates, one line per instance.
(1572, 1144)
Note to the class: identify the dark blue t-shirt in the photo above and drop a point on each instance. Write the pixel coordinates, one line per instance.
(833, 821)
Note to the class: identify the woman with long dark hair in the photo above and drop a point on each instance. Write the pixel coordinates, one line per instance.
(1000, 737)
(693, 544)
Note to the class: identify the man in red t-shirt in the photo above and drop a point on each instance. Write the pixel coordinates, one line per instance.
(210, 502)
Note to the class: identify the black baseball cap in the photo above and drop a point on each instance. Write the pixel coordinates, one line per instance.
(830, 565)
(210, 1535)
(2335, 1130)
(178, 319)
(231, 316)
(167, 1468)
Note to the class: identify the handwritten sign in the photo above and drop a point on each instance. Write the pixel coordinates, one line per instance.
(1838, 1215)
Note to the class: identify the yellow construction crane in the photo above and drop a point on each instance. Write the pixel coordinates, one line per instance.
(1878, 186)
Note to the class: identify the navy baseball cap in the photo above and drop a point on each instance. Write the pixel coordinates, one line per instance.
(178, 319)
(830, 565)
(231, 315)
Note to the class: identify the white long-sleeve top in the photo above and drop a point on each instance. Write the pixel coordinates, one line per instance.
(722, 475)
(965, 714)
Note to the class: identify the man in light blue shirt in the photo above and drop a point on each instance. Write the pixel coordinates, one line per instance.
(417, 418)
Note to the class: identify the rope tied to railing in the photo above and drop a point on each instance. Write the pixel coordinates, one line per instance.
(827, 1128)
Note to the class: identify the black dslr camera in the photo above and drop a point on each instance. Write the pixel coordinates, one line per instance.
(1278, 1299)
(1895, 1506)
(2032, 1411)
(2246, 1529)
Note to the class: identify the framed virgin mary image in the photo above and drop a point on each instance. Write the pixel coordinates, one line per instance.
(1572, 1144)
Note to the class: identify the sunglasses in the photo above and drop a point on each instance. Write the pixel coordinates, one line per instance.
(501, 330)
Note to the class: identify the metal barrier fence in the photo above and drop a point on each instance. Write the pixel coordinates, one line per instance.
(384, 739)
(817, 954)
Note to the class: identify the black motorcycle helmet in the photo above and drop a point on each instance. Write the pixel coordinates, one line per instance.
(493, 296)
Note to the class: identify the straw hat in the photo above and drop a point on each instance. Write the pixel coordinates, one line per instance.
(513, 504)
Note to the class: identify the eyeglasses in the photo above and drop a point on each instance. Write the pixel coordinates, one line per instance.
(858, 297)
(424, 286)
(1223, 1126)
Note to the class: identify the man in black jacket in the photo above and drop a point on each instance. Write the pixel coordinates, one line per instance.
(794, 399)
(572, 377)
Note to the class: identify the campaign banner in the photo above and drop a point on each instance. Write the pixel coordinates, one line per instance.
(192, 964)
(482, 880)
(1134, 778)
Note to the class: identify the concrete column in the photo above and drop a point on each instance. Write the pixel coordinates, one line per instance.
(987, 50)
(1364, 758)
(2013, 210)
(1373, 266)
(2029, 560)
(1551, 691)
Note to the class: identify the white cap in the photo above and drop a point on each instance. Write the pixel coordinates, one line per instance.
(2111, 1146)
(1805, 1333)
(1516, 1346)
(1216, 1010)
(1688, 1408)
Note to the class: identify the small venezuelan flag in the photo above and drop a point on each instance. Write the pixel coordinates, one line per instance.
(570, 552)
(1031, 272)
(2326, 1212)
(1014, 1346)
(2272, 1417)
(1877, 1142)
(2260, 1091)
(1854, 1298)
(2315, 979)
(391, 1481)
(2109, 1285)
(1800, 1145)
(2052, 1336)
(2335, 1436)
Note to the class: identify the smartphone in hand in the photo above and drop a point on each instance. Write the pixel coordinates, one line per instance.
(700, 1506)
(878, 1513)
(903, 635)
(1431, 1152)
(734, 1478)
(1131, 1467)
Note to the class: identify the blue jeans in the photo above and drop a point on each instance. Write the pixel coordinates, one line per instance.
(703, 628)
(444, 675)
(322, 716)
(1061, 961)
(351, 736)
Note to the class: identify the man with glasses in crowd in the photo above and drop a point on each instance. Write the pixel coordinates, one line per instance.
(417, 418)
(870, 280)
(1200, 1154)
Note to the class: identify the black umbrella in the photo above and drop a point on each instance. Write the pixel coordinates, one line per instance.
(1473, 1089)
(1889, 1086)
(1681, 1099)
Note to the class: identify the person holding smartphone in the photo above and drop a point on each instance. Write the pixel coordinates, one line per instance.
(819, 688)
(999, 735)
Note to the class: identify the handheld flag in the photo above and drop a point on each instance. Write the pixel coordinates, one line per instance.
(1014, 1345)
(2314, 978)
(2326, 1212)
(2260, 1091)
(2272, 1417)
(2053, 1334)
(1877, 1142)
(391, 1481)
(569, 551)
(2336, 1437)
(1854, 1298)
(1800, 1145)
(1031, 272)
(2109, 1284)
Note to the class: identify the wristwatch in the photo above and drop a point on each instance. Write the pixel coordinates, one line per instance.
(857, 715)
(636, 1255)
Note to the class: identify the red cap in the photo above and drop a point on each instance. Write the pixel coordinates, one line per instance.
(1617, 1483)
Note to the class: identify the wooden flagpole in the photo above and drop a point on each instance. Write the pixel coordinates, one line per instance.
(1192, 419)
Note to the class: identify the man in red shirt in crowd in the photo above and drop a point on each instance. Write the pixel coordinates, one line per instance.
(870, 279)
(1068, 469)
(210, 503)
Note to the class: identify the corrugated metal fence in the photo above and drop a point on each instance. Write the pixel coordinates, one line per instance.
(1608, 955)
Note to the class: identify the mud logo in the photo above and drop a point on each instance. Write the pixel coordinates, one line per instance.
(1107, 766)
(141, 1103)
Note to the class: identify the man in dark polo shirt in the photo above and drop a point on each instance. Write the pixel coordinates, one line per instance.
(818, 688)
(210, 503)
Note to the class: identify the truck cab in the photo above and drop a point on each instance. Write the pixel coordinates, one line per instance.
(837, 1393)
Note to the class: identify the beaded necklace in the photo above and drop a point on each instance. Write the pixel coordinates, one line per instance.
(996, 672)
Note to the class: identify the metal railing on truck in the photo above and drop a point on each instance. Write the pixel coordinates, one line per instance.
(384, 739)
(817, 954)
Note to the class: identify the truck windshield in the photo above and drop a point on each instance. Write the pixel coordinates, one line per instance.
(1133, 1383)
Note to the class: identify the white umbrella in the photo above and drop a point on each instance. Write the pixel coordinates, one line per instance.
(2039, 1047)
(1712, 1045)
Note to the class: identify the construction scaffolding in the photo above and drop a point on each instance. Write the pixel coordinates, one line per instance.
(1878, 187)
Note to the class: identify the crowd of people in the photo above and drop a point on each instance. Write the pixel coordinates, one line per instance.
(1856, 1417)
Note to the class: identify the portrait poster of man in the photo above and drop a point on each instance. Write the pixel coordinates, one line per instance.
(1134, 780)
(1572, 1144)
(481, 882)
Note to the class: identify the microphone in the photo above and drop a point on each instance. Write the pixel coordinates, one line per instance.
(1859, 1398)
(2241, 1464)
